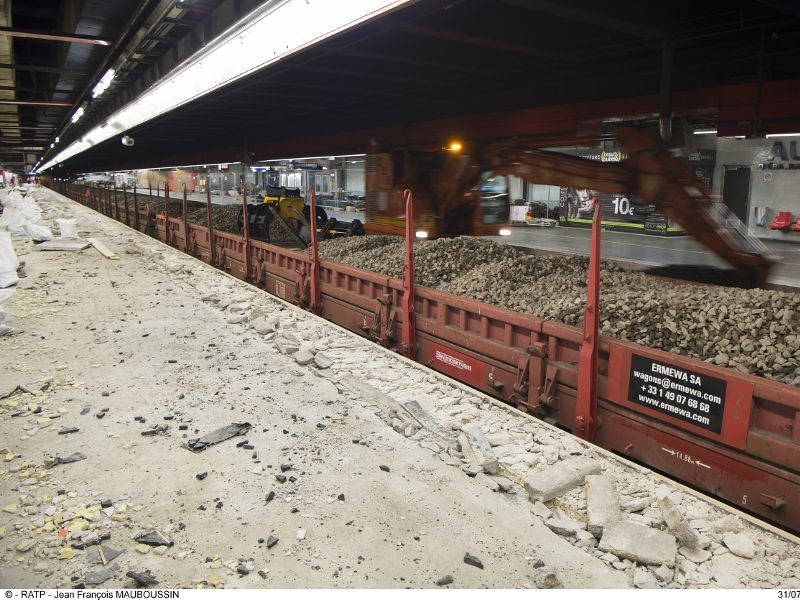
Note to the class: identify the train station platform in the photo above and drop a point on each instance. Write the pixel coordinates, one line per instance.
(112, 448)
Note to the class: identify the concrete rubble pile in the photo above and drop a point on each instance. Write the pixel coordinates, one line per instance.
(752, 331)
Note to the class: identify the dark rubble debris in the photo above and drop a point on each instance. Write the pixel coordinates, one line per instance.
(68, 430)
(85, 410)
(385, 468)
(340, 497)
(153, 538)
(156, 430)
(270, 497)
(217, 436)
(286, 467)
(98, 577)
(271, 541)
(473, 560)
(202, 475)
(281, 478)
(142, 579)
(63, 460)
(446, 580)
(106, 503)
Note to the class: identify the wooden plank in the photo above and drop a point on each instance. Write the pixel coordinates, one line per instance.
(102, 249)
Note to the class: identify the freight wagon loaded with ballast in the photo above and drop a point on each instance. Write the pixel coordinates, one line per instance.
(733, 433)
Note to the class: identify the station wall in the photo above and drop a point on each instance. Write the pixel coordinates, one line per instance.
(774, 178)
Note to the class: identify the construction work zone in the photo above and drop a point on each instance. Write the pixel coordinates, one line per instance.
(198, 432)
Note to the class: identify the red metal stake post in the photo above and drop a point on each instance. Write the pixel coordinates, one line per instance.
(185, 211)
(408, 330)
(586, 405)
(125, 200)
(136, 208)
(210, 223)
(313, 251)
(246, 235)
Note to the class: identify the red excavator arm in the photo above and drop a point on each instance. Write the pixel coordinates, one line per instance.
(650, 172)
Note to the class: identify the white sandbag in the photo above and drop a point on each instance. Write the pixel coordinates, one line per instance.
(5, 295)
(40, 233)
(67, 228)
(9, 263)
(19, 211)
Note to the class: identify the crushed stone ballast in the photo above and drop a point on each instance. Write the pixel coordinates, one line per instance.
(728, 424)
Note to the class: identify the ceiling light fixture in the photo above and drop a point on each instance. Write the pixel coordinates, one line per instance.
(240, 52)
(103, 84)
(78, 114)
(704, 131)
(774, 135)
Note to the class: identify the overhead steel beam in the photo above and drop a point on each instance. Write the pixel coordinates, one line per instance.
(589, 17)
(36, 103)
(41, 69)
(398, 58)
(18, 88)
(475, 40)
(53, 36)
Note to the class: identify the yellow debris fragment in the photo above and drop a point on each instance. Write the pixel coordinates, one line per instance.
(10, 508)
(66, 554)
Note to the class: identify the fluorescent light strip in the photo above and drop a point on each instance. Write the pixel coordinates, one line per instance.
(705, 131)
(282, 31)
(774, 135)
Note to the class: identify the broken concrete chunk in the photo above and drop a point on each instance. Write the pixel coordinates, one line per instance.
(303, 357)
(63, 460)
(286, 346)
(262, 326)
(143, 578)
(98, 577)
(217, 436)
(602, 503)
(271, 541)
(644, 579)
(739, 544)
(446, 580)
(473, 560)
(560, 478)
(639, 543)
(541, 510)
(102, 555)
(695, 554)
(156, 430)
(481, 449)
(153, 538)
(322, 361)
(564, 527)
(547, 578)
(677, 524)
(420, 415)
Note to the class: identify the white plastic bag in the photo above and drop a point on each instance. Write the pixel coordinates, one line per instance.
(40, 233)
(68, 228)
(9, 263)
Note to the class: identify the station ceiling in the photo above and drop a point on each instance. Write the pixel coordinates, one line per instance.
(431, 59)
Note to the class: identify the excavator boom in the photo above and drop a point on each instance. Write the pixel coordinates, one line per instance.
(653, 173)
